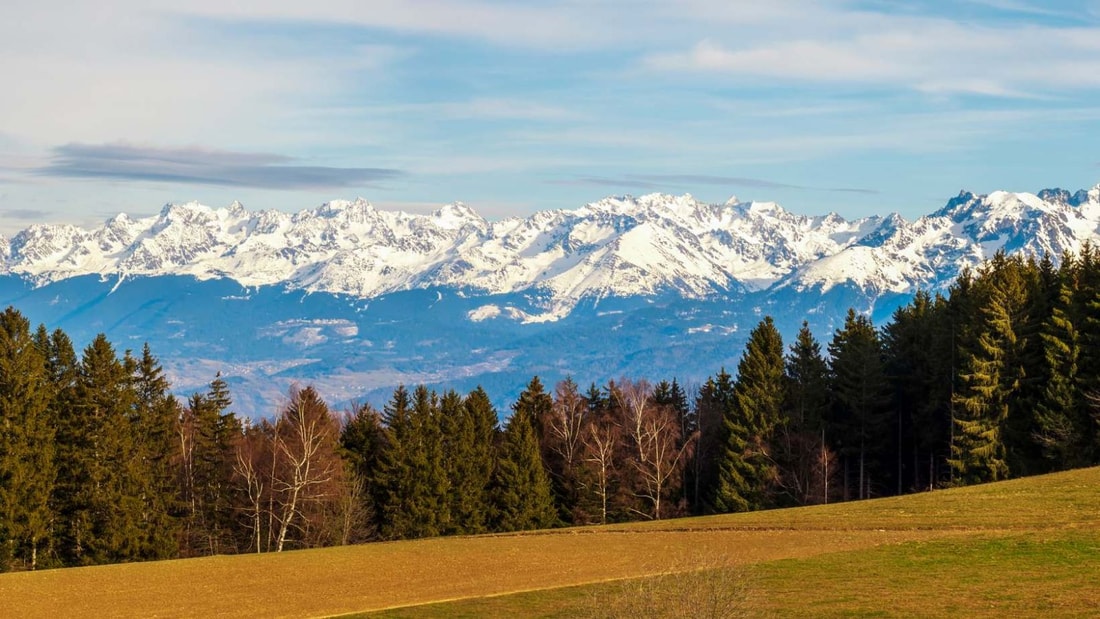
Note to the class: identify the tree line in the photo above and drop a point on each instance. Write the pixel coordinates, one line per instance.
(99, 463)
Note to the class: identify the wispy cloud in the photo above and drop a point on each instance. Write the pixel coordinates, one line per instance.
(1026, 8)
(26, 214)
(659, 181)
(925, 54)
(598, 181)
(203, 167)
(704, 179)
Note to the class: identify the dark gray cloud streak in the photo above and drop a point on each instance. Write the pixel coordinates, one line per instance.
(25, 213)
(198, 166)
(657, 181)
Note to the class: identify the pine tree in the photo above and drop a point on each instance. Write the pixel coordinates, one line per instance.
(467, 450)
(801, 451)
(65, 501)
(108, 515)
(858, 382)
(713, 401)
(394, 474)
(364, 441)
(27, 471)
(154, 419)
(209, 433)
(981, 407)
(1062, 430)
(414, 479)
(474, 474)
(1044, 282)
(1086, 310)
(917, 348)
(747, 470)
(523, 498)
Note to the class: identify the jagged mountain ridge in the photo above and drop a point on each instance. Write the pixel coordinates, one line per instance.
(615, 247)
(357, 300)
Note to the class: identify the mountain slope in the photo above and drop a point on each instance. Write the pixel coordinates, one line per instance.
(358, 299)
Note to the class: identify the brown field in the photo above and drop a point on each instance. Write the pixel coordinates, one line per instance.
(1025, 547)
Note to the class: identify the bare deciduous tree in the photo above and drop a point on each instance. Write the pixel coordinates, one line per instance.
(601, 441)
(251, 452)
(654, 431)
(566, 422)
(305, 442)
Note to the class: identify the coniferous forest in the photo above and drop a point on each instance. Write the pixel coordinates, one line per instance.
(998, 378)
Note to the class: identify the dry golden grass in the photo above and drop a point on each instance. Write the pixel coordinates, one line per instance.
(853, 558)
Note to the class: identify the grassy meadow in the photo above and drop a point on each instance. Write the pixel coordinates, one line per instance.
(1028, 547)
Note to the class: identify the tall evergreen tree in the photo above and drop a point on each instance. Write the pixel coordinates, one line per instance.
(1044, 282)
(1086, 304)
(523, 498)
(917, 349)
(154, 419)
(27, 470)
(467, 451)
(1063, 423)
(413, 476)
(64, 371)
(747, 470)
(208, 433)
(801, 450)
(858, 381)
(474, 474)
(981, 407)
(108, 514)
(364, 441)
(713, 401)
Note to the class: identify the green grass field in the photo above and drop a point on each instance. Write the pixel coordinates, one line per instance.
(1028, 547)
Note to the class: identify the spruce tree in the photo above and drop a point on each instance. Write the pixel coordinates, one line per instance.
(981, 407)
(466, 488)
(523, 498)
(713, 401)
(1061, 419)
(108, 521)
(394, 474)
(474, 474)
(27, 471)
(920, 380)
(211, 433)
(364, 441)
(1086, 304)
(154, 419)
(747, 470)
(412, 475)
(861, 397)
(1044, 285)
(63, 368)
(801, 451)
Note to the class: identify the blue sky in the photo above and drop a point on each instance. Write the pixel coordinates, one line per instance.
(854, 107)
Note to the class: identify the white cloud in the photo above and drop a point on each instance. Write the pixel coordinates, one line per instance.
(924, 54)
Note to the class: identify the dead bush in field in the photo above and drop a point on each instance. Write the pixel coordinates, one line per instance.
(713, 592)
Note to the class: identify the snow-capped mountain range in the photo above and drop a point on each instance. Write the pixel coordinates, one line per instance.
(356, 300)
(616, 247)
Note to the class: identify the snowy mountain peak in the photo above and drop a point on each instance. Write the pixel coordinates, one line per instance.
(456, 215)
(615, 247)
(763, 209)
